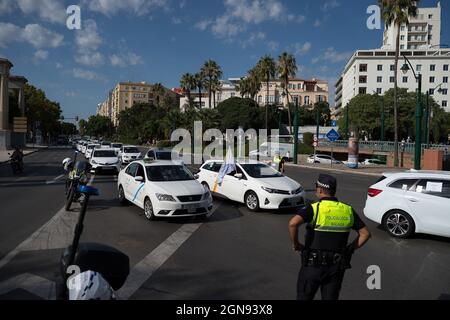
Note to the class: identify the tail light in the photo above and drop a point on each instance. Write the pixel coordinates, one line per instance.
(373, 192)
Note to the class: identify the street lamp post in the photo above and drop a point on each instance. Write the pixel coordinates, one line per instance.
(296, 120)
(317, 121)
(419, 113)
(428, 114)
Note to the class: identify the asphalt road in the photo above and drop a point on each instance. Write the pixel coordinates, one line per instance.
(235, 254)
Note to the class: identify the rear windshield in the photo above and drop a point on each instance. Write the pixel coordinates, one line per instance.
(130, 150)
(116, 145)
(104, 154)
(106, 143)
(381, 179)
(163, 155)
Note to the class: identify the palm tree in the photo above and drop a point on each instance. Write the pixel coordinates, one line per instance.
(199, 80)
(254, 83)
(268, 69)
(188, 84)
(216, 86)
(158, 91)
(243, 87)
(395, 13)
(212, 71)
(287, 67)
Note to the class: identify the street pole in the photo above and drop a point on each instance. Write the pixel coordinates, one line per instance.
(346, 123)
(427, 115)
(296, 133)
(279, 120)
(382, 119)
(419, 115)
(317, 121)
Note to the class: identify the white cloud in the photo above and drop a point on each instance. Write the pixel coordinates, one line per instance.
(203, 25)
(48, 10)
(58, 65)
(93, 59)
(137, 7)
(301, 48)
(85, 74)
(127, 59)
(223, 27)
(332, 56)
(296, 19)
(182, 4)
(254, 37)
(273, 45)
(88, 38)
(328, 5)
(176, 20)
(41, 55)
(34, 34)
(317, 23)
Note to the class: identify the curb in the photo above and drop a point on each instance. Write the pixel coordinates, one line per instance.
(25, 155)
(336, 170)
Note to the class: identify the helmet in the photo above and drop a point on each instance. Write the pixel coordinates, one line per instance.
(90, 285)
(67, 163)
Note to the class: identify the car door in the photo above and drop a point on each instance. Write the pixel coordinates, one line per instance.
(232, 187)
(207, 175)
(128, 180)
(430, 202)
(137, 188)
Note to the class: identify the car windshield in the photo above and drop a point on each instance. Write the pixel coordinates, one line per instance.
(104, 154)
(130, 150)
(260, 170)
(117, 145)
(169, 173)
(106, 143)
(163, 155)
(92, 146)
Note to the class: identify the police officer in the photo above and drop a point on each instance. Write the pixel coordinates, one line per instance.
(325, 254)
(278, 162)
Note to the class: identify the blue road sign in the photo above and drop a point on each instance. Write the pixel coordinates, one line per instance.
(333, 135)
(333, 123)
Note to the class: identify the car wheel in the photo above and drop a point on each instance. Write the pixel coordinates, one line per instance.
(122, 198)
(251, 201)
(399, 224)
(148, 210)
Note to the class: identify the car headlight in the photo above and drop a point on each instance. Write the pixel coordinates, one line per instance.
(165, 197)
(269, 190)
(297, 191)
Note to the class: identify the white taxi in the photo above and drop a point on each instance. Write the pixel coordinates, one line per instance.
(163, 189)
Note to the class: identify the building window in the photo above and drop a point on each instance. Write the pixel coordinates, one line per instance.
(430, 37)
(445, 80)
(419, 68)
(379, 79)
(259, 99)
(445, 67)
(392, 79)
(402, 28)
(380, 67)
(402, 47)
(433, 67)
(402, 38)
(405, 79)
(444, 104)
(431, 92)
(430, 16)
(444, 92)
(392, 67)
(362, 90)
(362, 79)
(363, 68)
(431, 79)
(306, 100)
(379, 91)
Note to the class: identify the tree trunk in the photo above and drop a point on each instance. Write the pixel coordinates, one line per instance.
(209, 92)
(267, 103)
(397, 54)
(289, 105)
(188, 93)
(214, 99)
(200, 96)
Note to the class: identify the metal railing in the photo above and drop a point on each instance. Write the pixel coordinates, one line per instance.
(385, 146)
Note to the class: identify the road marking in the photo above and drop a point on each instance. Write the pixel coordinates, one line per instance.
(55, 179)
(36, 285)
(142, 271)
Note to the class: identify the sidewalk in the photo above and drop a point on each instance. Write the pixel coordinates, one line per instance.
(362, 170)
(29, 149)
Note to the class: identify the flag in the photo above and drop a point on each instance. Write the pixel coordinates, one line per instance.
(228, 166)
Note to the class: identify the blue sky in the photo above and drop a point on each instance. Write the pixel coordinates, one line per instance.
(159, 40)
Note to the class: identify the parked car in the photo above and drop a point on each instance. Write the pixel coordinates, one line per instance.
(159, 154)
(323, 159)
(411, 202)
(105, 160)
(117, 146)
(129, 154)
(255, 184)
(105, 144)
(163, 189)
(373, 162)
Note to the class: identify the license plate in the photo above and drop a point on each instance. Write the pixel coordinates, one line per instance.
(190, 207)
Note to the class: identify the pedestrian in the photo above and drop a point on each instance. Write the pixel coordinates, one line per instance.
(325, 254)
(278, 162)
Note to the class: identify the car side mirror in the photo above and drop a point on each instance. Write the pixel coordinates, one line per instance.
(196, 176)
(139, 179)
(238, 176)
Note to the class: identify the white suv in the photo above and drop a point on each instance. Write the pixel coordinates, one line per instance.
(105, 160)
(411, 202)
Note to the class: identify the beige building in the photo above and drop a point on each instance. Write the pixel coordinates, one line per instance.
(306, 92)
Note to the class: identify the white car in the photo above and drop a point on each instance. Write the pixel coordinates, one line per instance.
(159, 154)
(163, 189)
(411, 202)
(323, 159)
(105, 160)
(117, 146)
(129, 154)
(105, 144)
(90, 148)
(255, 184)
(373, 162)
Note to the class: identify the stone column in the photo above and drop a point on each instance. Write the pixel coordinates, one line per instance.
(21, 101)
(4, 103)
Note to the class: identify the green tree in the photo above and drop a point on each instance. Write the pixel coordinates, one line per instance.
(287, 68)
(67, 128)
(212, 71)
(158, 91)
(238, 112)
(268, 69)
(82, 124)
(200, 80)
(188, 83)
(396, 13)
(99, 126)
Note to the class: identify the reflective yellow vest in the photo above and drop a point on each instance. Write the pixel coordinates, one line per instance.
(277, 160)
(333, 216)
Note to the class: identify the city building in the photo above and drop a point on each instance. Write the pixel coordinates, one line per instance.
(105, 108)
(422, 32)
(372, 71)
(307, 92)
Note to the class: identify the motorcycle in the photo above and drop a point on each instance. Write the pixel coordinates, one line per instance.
(77, 177)
(16, 164)
(81, 262)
